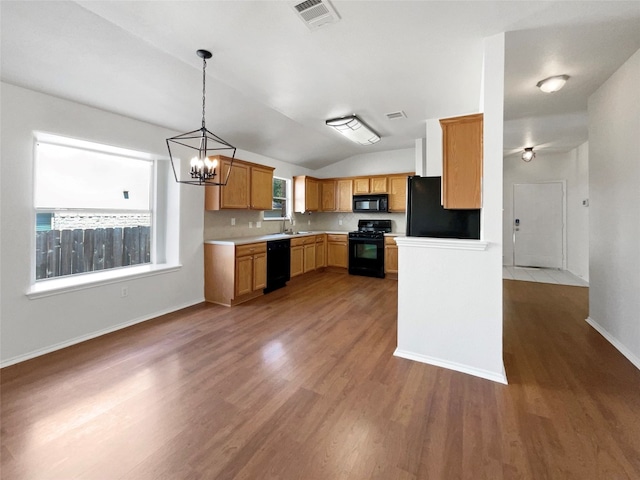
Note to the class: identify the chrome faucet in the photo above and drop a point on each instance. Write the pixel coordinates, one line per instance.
(283, 212)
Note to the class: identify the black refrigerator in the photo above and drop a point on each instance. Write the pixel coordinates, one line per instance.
(426, 217)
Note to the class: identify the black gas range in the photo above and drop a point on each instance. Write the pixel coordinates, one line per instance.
(366, 248)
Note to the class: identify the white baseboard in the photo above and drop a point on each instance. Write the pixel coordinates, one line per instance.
(615, 342)
(89, 336)
(476, 372)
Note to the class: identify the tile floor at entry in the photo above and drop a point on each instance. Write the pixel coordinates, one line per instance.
(542, 275)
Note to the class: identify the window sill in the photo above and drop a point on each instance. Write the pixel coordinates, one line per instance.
(57, 286)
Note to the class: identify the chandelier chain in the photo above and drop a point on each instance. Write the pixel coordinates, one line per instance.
(204, 83)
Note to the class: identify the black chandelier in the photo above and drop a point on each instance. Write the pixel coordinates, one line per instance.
(203, 167)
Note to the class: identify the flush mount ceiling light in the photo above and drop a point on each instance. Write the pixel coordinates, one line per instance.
(528, 154)
(552, 84)
(203, 165)
(354, 129)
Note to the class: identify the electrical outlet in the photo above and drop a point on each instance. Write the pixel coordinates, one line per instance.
(233, 222)
(250, 224)
(258, 224)
(308, 222)
(124, 292)
(340, 222)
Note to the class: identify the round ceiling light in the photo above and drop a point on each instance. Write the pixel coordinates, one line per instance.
(552, 84)
(528, 154)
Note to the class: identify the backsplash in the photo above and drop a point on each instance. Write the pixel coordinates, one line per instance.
(331, 221)
(217, 225)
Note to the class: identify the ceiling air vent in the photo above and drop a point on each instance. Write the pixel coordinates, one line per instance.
(316, 13)
(396, 115)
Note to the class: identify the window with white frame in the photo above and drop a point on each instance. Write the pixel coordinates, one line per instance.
(280, 204)
(93, 206)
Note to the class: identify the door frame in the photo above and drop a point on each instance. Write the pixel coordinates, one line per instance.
(564, 219)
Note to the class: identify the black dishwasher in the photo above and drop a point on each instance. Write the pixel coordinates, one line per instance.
(278, 264)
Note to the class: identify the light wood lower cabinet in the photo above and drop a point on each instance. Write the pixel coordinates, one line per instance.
(234, 273)
(297, 257)
(309, 254)
(321, 251)
(390, 256)
(337, 250)
(303, 255)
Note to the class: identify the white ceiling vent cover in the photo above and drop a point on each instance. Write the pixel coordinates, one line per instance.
(396, 115)
(316, 13)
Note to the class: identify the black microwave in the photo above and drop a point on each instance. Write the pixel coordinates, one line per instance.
(371, 203)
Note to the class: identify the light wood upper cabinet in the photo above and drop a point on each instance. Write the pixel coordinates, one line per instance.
(462, 139)
(328, 195)
(365, 185)
(306, 194)
(398, 193)
(361, 185)
(344, 195)
(378, 185)
(261, 188)
(249, 187)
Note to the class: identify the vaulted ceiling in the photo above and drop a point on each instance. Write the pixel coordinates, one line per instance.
(272, 82)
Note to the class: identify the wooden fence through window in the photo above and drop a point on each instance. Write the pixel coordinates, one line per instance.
(65, 252)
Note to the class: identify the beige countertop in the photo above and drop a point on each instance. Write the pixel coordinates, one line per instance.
(277, 236)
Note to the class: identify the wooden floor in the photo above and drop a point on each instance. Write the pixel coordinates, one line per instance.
(302, 384)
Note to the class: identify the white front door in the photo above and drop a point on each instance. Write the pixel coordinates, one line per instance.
(538, 224)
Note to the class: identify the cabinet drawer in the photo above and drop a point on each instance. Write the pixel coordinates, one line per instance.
(320, 238)
(309, 240)
(297, 241)
(251, 249)
(336, 238)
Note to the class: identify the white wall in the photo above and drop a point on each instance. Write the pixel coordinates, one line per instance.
(572, 167)
(376, 163)
(614, 221)
(450, 298)
(32, 327)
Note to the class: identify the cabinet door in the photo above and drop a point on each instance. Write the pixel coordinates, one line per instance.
(312, 191)
(297, 260)
(361, 185)
(328, 190)
(378, 184)
(309, 257)
(321, 247)
(244, 275)
(260, 271)
(462, 161)
(390, 255)
(398, 193)
(337, 251)
(344, 196)
(261, 188)
(236, 193)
